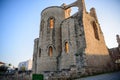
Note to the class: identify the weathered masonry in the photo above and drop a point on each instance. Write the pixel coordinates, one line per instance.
(67, 41)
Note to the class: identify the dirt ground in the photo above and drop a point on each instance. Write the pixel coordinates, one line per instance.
(22, 76)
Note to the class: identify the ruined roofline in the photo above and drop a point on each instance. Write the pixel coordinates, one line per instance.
(51, 7)
(78, 3)
(58, 7)
(72, 16)
(36, 39)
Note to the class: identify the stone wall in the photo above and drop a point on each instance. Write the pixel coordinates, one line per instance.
(35, 53)
(50, 37)
(97, 55)
(115, 58)
(68, 35)
(72, 32)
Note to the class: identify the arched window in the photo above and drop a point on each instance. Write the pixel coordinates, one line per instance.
(40, 52)
(51, 23)
(50, 51)
(95, 30)
(66, 47)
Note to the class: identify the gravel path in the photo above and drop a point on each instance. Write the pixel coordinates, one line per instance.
(108, 76)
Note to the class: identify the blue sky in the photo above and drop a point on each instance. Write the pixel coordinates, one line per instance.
(20, 20)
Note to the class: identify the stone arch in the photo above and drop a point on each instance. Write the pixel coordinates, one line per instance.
(79, 3)
(50, 51)
(51, 22)
(74, 10)
(95, 29)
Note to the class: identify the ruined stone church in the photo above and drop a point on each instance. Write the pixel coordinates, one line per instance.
(67, 41)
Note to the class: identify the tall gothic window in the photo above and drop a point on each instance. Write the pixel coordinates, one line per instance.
(66, 47)
(40, 52)
(50, 51)
(51, 23)
(95, 31)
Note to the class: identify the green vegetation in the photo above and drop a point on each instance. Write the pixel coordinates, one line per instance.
(3, 69)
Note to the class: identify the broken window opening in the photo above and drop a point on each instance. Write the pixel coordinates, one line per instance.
(50, 51)
(66, 47)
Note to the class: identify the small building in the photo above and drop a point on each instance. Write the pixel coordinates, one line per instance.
(25, 65)
(2, 63)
